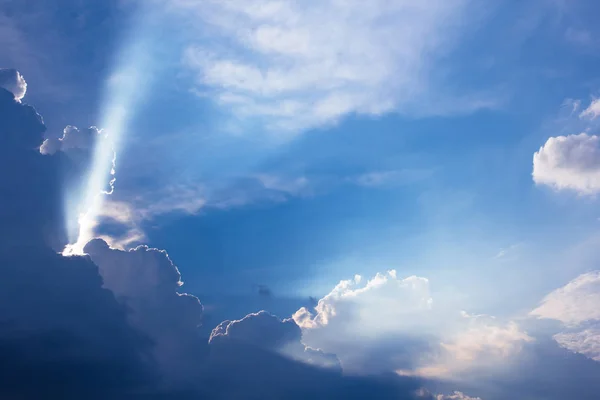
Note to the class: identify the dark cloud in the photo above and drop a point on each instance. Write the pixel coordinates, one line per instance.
(148, 283)
(114, 324)
(62, 335)
(31, 209)
(243, 371)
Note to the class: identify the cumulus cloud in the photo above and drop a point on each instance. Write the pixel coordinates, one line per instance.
(62, 334)
(389, 323)
(298, 65)
(569, 162)
(382, 304)
(148, 283)
(13, 81)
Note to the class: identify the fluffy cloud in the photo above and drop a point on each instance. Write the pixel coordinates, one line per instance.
(569, 162)
(382, 304)
(13, 81)
(148, 283)
(577, 306)
(304, 64)
(389, 323)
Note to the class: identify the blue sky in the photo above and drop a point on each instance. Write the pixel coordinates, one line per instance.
(295, 145)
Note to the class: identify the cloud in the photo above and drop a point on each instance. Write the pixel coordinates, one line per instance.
(32, 206)
(483, 344)
(388, 323)
(13, 81)
(268, 332)
(148, 283)
(62, 335)
(71, 139)
(574, 303)
(593, 110)
(586, 342)
(382, 304)
(576, 306)
(299, 65)
(569, 162)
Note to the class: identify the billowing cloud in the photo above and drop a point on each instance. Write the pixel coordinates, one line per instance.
(392, 323)
(62, 335)
(298, 65)
(13, 81)
(569, 162)
(382, 304)
(148, 283)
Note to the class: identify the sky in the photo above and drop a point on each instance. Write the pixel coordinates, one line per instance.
(266, 199)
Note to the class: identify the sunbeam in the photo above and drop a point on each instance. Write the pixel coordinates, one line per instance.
(124, 88)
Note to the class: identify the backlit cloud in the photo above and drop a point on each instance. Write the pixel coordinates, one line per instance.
(13, 81)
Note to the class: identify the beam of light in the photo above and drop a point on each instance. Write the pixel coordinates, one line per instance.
(123, 91)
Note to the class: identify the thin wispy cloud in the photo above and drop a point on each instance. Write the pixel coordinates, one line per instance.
(299, 65)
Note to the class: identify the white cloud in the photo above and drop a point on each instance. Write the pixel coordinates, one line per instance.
(391, 323)
(13, 81)
(577, 306)
(593, 110)
(575, 303)
(375, 307)
(569, 162)
(586, 342)
(310, 63)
